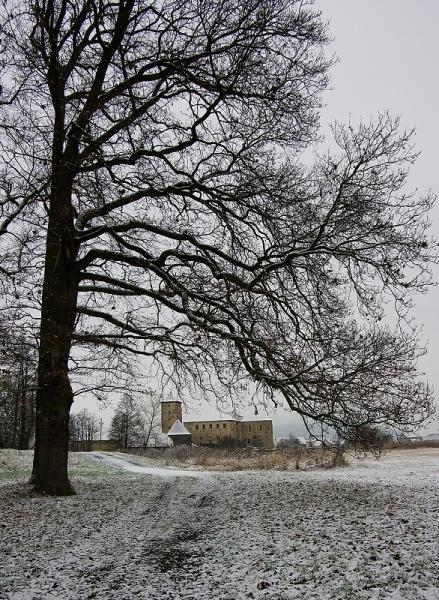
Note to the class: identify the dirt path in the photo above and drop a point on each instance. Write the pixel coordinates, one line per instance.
(120, 462)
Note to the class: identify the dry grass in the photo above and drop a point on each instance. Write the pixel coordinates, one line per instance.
(217, 459)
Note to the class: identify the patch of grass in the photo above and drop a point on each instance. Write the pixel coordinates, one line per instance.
(81, 464)
(17, 464)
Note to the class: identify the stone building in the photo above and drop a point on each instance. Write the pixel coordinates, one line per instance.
(219, 430)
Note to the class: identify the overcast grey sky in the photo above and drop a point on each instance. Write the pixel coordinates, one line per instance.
(388, 54)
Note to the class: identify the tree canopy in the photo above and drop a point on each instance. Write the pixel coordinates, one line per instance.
(155, 200)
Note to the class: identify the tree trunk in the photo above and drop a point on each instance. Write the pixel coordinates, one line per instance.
(15, 425)
(54, 393)
(23, 443)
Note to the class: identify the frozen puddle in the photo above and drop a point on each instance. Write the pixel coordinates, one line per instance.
(121, 463)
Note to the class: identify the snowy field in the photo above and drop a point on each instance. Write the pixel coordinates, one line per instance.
(366, 531)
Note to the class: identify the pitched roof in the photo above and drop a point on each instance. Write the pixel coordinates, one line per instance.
(170, 398)
(178, 429)
(191, 418)
(211, 414)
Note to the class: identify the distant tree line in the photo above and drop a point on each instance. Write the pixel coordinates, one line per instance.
(136, 423)
(18, 363)
(365, 438)
(84, 428)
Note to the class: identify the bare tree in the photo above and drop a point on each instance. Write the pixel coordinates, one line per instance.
(151, 169)
(150, 414)
(366, 438)
(126, 422)
(84, 427)
(136, 420)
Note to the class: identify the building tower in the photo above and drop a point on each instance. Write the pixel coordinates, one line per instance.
(170, 412)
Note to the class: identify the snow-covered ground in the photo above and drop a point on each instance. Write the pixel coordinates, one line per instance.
(368, 531)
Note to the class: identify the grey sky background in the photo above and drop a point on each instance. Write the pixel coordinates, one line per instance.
(388, 54)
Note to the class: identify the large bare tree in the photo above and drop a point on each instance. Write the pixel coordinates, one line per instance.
(151, 171)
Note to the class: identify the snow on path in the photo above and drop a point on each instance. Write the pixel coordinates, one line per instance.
(120, 462)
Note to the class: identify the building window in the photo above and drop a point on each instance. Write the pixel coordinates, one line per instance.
(217, 425)
(204, 426)
(196, 426)
(249, 428)
(224, 425)
(210, 425)
(260, 427)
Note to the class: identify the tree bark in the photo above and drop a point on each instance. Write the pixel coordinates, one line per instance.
(54, 393)
(24, 417)
(15, 425)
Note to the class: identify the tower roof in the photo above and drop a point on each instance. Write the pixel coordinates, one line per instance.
(178, 429)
